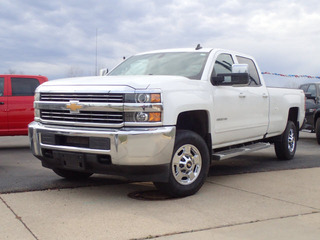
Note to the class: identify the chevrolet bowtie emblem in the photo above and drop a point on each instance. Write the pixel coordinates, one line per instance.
(74, 106)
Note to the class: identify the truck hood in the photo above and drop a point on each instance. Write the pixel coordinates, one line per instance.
(134, 82)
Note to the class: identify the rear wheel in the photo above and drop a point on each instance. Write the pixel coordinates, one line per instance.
(72, 175)
(189, 165)
(317, 130)
(286, 144)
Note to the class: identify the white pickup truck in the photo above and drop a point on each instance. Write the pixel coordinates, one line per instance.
(163, 116)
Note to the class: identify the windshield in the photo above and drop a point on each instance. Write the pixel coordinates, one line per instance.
(186, 64)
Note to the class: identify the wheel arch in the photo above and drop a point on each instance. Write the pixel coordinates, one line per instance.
(293, 116)
(316, 116)
(198, 122)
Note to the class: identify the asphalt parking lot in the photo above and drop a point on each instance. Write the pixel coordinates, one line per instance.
(249, 197)
(20, 171)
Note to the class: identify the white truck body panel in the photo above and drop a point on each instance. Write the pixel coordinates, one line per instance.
(280, 101)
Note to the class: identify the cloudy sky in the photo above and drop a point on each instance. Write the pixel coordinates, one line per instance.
(58, 38)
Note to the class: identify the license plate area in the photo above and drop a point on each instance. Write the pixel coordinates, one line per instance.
(101, 143)
(72, 141)
(73, 161)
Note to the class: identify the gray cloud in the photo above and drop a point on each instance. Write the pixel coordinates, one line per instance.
(54, 37)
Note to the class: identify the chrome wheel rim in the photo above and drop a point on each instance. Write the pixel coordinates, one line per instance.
(291, 141)
(186, 164)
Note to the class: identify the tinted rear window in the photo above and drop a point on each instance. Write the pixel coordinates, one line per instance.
(1, 86)
(24, 86)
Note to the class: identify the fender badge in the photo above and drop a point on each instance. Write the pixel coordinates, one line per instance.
(222, 119)
(74, 106)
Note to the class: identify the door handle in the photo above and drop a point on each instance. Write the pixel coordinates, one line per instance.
(264, 95)
(242, 95)
(1, 103)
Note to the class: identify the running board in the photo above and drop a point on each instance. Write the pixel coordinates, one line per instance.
(239, 151)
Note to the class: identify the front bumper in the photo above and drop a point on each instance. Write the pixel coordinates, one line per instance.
(141, 154)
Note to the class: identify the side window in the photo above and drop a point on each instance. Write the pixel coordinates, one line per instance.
(1, 86)
(312, 89)
(24, 86)
(254, 76)
(304, 88)
(222, 65)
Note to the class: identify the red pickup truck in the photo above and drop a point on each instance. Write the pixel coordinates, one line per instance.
(16, 103)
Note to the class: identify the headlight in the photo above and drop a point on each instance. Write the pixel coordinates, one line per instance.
(36, 114)
(143, 109)
(143, 98)
(36, 111)
(37, 96)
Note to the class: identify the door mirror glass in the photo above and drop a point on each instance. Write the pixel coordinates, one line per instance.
(240, 68)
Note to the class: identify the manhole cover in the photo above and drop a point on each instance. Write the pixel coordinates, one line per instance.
(151, 195)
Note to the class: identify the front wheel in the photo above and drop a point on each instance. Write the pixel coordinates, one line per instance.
(286, 144)
(189, 165)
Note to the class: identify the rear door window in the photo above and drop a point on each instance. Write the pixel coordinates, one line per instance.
(1, 86)
(24, 86)
(312, 89)
(254, 76)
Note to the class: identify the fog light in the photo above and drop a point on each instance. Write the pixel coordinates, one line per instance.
(142, 117)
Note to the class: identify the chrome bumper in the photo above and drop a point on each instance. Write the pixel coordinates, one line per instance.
(128, 147)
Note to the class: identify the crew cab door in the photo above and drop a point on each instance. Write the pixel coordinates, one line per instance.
(20, 103)
(240, 111)
(3, 107)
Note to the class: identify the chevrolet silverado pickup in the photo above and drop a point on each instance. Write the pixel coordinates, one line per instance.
(16, 103)
(164, 116)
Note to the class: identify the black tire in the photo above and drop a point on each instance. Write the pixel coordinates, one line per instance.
(317, 130)
(71, 175)
(189, 165)
(286, 144)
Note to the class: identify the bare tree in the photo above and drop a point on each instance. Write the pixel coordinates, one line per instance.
(13, 71)
(74, 71)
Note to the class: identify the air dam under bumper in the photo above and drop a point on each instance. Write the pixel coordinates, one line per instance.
(139, 154)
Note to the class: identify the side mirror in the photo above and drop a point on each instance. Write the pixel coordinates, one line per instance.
(239, 76)
(103, 71)
(310, 96)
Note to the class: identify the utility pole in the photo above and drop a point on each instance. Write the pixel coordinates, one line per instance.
(96, 51)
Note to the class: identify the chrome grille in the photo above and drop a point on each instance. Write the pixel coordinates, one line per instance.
(96, 117)
(83, 97)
